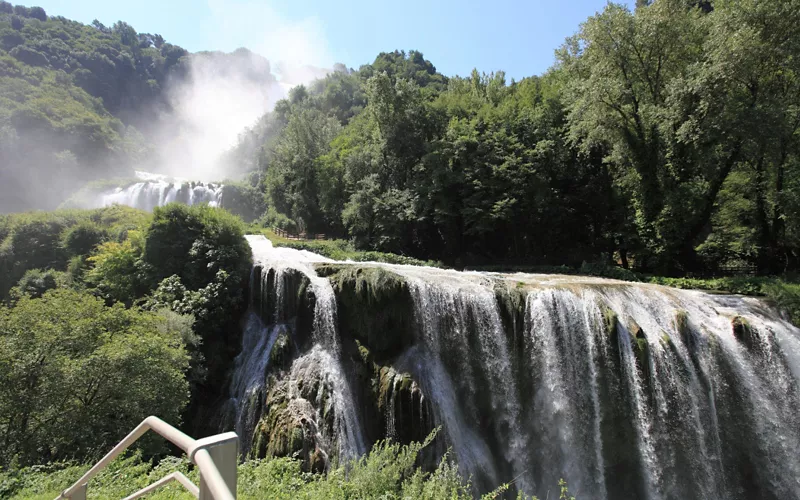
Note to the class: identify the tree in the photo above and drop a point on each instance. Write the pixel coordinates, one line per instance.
(37, 13)
(292, 181)
(76, 376)
(118, 272)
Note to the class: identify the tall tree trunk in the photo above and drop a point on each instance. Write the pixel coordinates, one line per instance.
(777, 233)
(762, 217)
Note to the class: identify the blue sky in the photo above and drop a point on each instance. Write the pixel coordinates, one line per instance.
(518, 37)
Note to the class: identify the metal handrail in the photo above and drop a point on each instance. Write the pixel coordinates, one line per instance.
(175, 476)
(198, 452)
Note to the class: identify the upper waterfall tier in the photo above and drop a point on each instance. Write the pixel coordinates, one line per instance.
(155, 190)
(625, 390)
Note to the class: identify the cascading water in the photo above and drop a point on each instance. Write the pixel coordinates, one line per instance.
(157, 190)
(624, 390)
(248, 385)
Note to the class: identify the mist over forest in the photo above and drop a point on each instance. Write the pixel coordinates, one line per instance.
(87, 102)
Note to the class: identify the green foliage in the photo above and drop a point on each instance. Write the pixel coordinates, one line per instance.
(82, 238)
(118, 272)
(389, 471)
(76, 376)
(35, 282)
(68, 96)
(53, 240)
(786, 296)
(195, 243)
(243, 199)
(197, 262)
(341, 250)
(665, 139)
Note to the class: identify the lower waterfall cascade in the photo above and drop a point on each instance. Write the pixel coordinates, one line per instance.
(624, 390)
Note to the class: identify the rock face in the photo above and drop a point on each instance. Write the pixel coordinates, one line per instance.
(623, 390)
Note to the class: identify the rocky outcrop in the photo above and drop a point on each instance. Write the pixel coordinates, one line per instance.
(375, 324)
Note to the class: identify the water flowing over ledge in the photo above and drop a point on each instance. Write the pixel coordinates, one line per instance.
(625, 390)
(156, 190)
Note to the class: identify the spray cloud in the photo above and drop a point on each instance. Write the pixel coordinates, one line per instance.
(226, 93)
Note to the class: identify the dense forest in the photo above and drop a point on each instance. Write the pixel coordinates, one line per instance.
(663, 139)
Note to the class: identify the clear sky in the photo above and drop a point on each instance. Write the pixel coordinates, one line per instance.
(518, 37)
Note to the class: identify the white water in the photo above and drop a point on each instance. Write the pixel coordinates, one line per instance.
(252, 363)
(706, 416)
(155, 190)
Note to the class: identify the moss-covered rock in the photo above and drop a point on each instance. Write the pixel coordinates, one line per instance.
(610, 320)
(641, 349)
(511, 305)
(402, 405)
(298, 415)
(683, 329)
(374, 307)
(278, 294)
(281, 353)
(744, 332)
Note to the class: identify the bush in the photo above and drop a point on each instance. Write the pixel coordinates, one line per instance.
(82, 238)
(786, 296)
(272, 219)
(389, 471)
(200, 254)
(76, 376)
(194, 243)
(119, 274)
(243, 200)
(52, 240)
(35, 282)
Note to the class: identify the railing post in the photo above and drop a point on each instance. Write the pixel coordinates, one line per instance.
(223, 450)
(80, 493)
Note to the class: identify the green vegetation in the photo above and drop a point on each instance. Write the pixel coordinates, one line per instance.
(69, 94)
(668, 158)
(338, 249)
(97, 333)
(389, 471)
(76, 375)
(663, 141)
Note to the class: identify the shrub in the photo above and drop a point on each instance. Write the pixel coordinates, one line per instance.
(272, 219)
(786, 296)
(194, 243)
(35, 282)
(119, 273)
(82, 238)
(243, 200)
(76, 376)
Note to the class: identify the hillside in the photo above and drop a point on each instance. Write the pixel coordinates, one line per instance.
(68, 94)
(80, 103)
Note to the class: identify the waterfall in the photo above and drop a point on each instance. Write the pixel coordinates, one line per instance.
(154, 190)
(624, 390)
(323, 362)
